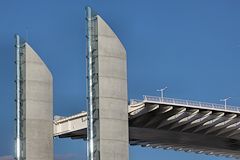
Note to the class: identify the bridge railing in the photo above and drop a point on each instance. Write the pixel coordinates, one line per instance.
(189, 103)
(135, 101)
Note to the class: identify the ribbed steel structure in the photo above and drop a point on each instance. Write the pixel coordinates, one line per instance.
(92, 90)
(188, 126)
(20, 150)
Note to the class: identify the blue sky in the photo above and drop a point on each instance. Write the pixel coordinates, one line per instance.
(193, 47)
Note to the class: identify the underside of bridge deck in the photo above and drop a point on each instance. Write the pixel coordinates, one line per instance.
(157, 125)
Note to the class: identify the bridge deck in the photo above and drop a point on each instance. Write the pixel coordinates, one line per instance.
(172, 124)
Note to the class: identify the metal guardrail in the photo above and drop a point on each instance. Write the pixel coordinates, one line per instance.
(189, 103)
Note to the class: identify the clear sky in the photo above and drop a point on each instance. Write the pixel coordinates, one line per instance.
(193, 47)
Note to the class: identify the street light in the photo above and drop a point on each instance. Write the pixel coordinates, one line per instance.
(161, 91)
(225, 102)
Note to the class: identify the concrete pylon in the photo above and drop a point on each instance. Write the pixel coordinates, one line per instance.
(107, 84)
(36, 106)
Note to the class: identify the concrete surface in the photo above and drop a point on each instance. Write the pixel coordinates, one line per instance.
(110, 96)
(38, 104)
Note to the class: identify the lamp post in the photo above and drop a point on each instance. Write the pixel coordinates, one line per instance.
(225, 102)
(161, 91)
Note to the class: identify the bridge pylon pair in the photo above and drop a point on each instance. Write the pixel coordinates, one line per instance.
(107, 98)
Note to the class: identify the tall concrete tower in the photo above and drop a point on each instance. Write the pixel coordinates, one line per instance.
(34, 111)
(107, 92)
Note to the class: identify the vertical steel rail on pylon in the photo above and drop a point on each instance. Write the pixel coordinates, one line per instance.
(18, 101)
(90, 144)
(19, 150)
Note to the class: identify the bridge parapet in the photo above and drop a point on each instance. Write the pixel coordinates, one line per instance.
(187, 103)
(70, 124)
